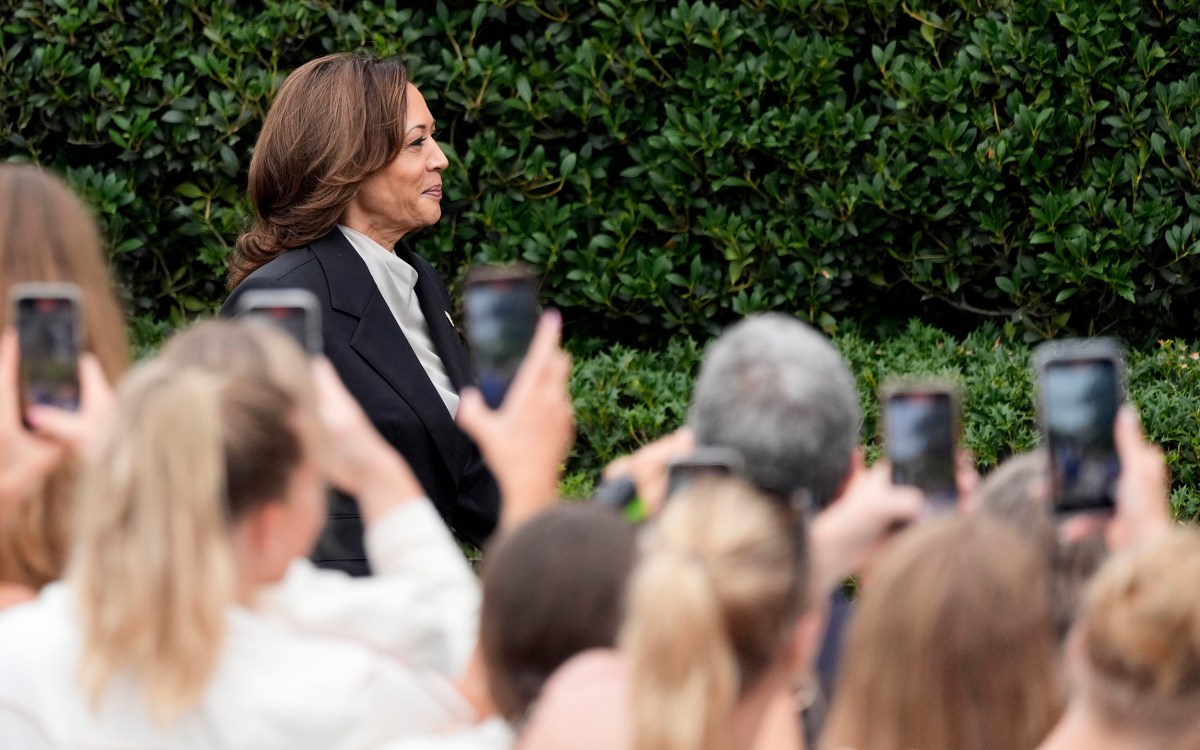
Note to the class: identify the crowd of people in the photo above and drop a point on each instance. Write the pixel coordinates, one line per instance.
(175, 573)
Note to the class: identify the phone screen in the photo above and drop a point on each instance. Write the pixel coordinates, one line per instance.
(920, 437)
(292, 319)
(502, 314)
(48, 329)
(1080, 401)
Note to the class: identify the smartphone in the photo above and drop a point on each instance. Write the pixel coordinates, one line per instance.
(921, 432)
(296, 311)
(50, 331)
(1080, 384)
(501, 307)
(703, 463)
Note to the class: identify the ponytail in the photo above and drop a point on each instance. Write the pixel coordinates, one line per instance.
(153, 567)
(712, 604)
(684, 681)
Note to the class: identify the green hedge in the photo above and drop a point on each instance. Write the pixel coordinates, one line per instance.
(676, 163)
(624, 397)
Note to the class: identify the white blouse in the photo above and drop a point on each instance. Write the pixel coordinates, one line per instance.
(397, 282)
(325, 662)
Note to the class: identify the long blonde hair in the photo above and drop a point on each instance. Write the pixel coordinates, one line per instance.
(952, 646)
(713, 602)
(190, 453)
(46, 234)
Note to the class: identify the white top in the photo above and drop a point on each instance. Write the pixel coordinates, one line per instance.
(493, 734)
(397, 282)
(326, 662)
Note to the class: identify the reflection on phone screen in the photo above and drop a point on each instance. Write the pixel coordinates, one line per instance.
(49, 351)
(920, 444)
(293, 320)
(501, 318)
(1080, 400)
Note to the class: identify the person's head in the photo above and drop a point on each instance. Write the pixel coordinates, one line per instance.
(1018, 491)
(952, 645)
(553, 588)
(347, 135)
(714, 612)
(1135, 655)
(46, 234)
(777, 391)
(205, 487)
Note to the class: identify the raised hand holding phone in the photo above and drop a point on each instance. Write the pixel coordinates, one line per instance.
(49, 329)
(921, 428)
(502, 314)
(25, 458)
(296, 311)
(1080, 385)
(526, 440)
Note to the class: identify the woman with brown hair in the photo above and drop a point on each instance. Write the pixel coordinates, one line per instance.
(345, 169)
(952, 647)
(46, 235)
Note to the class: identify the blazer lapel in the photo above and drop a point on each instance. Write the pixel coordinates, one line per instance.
(437, 309)
(379, 340)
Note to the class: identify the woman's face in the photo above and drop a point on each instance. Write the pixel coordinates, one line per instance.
(406, 194)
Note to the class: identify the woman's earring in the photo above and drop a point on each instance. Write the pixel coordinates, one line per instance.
(804, 692)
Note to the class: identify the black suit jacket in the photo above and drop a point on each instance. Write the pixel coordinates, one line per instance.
(378, 366)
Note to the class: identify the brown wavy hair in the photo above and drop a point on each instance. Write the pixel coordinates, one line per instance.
(952, 646)
(335, 121)
(46, 234)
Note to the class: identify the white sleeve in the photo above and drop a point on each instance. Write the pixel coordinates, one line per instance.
(422, 601)
(19, 729)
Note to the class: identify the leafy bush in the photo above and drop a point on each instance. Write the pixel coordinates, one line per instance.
(624, 398)
(671, 164)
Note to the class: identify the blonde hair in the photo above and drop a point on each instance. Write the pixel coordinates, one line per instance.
(245, 347)
(952, 646)
(1141, 630)
(189, 454)
(713, 602)
(46, 234)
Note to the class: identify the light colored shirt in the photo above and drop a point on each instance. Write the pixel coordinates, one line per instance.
(397, 282)
(492, 734)
(324, 662)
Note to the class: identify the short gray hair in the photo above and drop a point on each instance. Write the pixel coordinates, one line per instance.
(776, 390)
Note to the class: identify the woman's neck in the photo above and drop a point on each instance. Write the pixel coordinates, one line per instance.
(766, 718)
(1081, 728)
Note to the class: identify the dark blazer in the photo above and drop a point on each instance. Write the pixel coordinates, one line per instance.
(378, 366)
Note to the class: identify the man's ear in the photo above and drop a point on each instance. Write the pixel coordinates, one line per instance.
(858, 464)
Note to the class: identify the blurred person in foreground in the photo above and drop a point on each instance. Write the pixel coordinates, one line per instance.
(46, 235)
(346, 169)
(952, 646)
(1134, 656)
(189, 616)
(716, 628)
(552, 588)
(1018, 491)
(776, 391)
